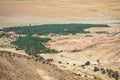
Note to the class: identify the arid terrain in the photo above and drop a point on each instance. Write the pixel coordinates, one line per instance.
(24, 12)
(80, 48)
(101, 47)
(31, 68)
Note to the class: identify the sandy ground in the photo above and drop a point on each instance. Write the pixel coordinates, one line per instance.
(14, 13)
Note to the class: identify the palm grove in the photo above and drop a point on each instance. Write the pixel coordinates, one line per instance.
(33, 45)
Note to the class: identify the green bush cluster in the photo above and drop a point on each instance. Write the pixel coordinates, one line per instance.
(4, 35)
(96, 69)
(112, 74)
(87, 63)
(62, 29)
(33, 45)
(109, 72)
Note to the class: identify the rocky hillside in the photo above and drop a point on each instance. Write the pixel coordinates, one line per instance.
(21, 67)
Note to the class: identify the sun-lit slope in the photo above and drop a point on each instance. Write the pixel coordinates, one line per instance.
(16, 67)
(107, 50)
(104, 46)
(13, 68)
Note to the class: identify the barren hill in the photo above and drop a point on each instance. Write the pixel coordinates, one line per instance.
(21, 67)
(105, 50)
(93, 46)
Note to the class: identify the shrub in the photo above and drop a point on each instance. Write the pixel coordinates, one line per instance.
(60, 62)
(96, 69)
(50, 60)
(87, 63)
(86, 76)
(95, 77)
(67, 63)
(4, 35)
(83, 66)
(116, 75)
(103, 71)
(17, 48)
(74, 64)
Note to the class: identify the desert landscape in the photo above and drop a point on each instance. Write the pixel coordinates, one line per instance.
(60, 40)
